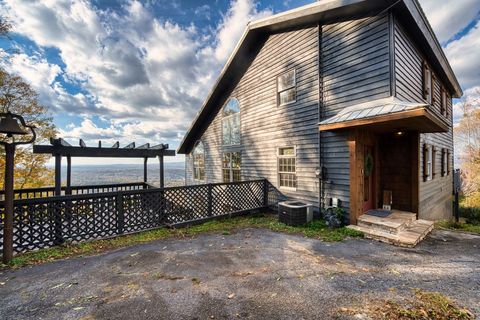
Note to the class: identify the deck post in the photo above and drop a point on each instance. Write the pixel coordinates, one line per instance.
(8, 203)
(120, 213)
(210, 200)
(265, 193)
(69, 175)
(162, 181)
(58, 174)
(145, 160)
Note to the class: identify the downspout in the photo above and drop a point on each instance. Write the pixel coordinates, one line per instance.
(320, 109)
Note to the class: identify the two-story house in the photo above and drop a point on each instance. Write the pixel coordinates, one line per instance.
(340, 99)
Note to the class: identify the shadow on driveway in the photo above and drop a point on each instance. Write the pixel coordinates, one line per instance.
(252, 273)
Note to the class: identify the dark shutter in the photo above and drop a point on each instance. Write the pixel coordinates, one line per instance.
(432, 87)
(448, 162)
(424, 81)
(425, 162)
(434, 153)
(443, 103)
(447, 97)
(444, 160)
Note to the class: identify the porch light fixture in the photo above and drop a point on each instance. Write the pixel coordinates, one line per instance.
(9, 125)
(399, 133)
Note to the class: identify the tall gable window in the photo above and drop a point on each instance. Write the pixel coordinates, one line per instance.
(231, 123)
(231, 166)
(199, 161)
(427, 77)
(287, 177)
(286, 87)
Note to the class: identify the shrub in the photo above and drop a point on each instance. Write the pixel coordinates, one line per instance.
(470, 208)
(334, 217)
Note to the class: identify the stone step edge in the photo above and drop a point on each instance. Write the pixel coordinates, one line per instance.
(391, 238)
(381, 227)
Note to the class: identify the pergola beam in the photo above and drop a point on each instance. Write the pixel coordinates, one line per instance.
(94, 152)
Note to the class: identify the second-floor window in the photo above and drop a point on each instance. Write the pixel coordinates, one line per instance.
(443, 102)
(286, 87)
(287, 176)
(231, 166)
(427, 83)
(199, 161)
(428, 162)
(231, 123)
(444, 161)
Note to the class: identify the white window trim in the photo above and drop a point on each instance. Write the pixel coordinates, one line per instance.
(429, 162)
(428, 79)
(292, 87)
(278, 167)
(230, 169)
(193, 160)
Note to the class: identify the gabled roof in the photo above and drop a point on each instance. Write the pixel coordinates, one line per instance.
(324, 11)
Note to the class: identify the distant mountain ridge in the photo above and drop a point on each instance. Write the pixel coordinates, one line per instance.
(123, 173)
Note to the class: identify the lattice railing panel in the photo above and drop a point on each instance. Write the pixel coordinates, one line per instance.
(240, 196)
(143, 211)
(44, 222)
(186, 203)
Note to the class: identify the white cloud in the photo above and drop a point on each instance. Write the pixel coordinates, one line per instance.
(463, 55)
(146, 77)
(448, 17)
(233, 25)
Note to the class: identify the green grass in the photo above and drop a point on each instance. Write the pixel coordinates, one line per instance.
(316, 229)
(460, 226)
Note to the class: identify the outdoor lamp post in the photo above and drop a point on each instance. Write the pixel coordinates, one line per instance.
(10, 127)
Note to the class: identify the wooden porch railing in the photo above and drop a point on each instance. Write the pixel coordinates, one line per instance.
(44, 192)
(47, 221)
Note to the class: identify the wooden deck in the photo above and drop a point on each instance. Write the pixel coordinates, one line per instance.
(400, 228)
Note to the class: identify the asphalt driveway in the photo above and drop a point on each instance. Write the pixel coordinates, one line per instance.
(253, 273)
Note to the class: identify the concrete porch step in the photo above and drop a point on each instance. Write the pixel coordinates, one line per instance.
(409, 237)
(394, 223)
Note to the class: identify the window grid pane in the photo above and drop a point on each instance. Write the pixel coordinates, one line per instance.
(231, 130)
(287, 96)
(286, 80)
(287, 167)
(199, 162)
(231, 165)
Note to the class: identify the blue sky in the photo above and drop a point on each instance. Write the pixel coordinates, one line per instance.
(139, 71)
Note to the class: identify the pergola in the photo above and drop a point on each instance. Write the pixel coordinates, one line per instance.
(60, 148)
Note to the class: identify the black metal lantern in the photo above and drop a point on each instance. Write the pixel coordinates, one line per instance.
(10, 126)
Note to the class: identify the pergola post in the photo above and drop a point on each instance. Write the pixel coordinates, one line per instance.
(145, 175)
(58, 174)
(162, 184)
(69, 175)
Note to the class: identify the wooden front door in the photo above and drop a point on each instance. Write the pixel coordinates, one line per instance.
(368, 178)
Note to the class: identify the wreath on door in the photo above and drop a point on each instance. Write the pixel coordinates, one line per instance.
(368, 165)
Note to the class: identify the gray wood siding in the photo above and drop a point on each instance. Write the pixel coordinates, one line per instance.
(435, 200)
(355, 69)
(266, 126)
